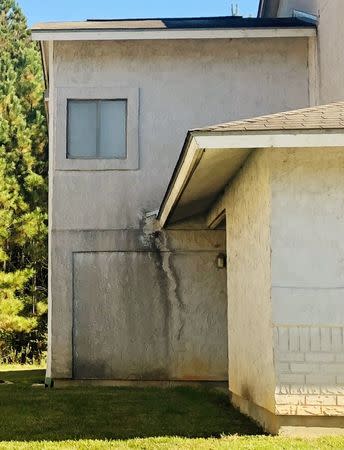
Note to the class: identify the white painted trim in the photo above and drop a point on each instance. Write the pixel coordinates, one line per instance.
(216, 214)
(285, 140)
(45, 60)
(193, 155)
(131, 94)
(51, 179)
(201, 143)
(113, 35)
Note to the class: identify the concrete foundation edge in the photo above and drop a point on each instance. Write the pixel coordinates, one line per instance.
(221, 385)
(292, 426)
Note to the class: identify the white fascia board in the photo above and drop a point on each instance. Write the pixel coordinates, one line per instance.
(200, 143)
(190, 162)
(127, 35)
(285, 140)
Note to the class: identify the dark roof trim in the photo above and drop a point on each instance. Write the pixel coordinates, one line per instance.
(205, 23)
(142, 19)
(220, 22)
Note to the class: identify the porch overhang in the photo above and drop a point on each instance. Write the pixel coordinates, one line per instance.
(209, 160)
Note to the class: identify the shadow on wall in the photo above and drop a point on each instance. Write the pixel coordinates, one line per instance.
(36, 414)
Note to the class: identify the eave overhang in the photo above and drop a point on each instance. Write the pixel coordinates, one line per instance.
(209, 160)
(114, 35)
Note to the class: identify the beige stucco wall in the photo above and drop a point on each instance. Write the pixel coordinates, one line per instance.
(331, 55)
(330, 36)
(285, 271)
(251, 366)
(181, 84)
(307, 266)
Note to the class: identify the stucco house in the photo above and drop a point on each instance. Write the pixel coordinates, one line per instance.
(215, 258)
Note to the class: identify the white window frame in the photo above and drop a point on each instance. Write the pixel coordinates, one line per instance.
(130, 94)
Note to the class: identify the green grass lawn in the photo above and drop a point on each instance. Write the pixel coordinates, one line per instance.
(124, 418)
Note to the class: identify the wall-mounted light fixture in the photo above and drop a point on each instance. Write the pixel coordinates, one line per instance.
(221, 261)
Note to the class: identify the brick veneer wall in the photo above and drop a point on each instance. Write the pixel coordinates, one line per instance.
(309, 364)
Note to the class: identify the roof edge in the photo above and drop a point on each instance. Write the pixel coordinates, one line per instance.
(303, 31)
(201, 142)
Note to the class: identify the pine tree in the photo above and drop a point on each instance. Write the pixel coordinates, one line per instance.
(23, 184)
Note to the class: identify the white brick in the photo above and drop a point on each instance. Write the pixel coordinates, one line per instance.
(320, 357)
(340, 357)
(336, 390)
(283, 338)
(290, 399)
(290, 357)
(304, 389)
(333, 410)
(340, 400)
(294, 340)
(315, 339)
(321, 379)
(292, 378)
(326, 400)
(305, 340)
(283, 367)
(282, 389)
(304, 368)
(325, 339)
(337, 340)
(340, 380)
(308, 410)
(286, 410)
(336, 369)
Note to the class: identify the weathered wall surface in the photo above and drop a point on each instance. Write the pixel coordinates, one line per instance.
(330, 35)
(331, 55)
(125, 308)
(181, 84)
(251, 367)
(148, 307)
(308, 279)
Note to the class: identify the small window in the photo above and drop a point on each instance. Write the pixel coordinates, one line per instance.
(97, 129)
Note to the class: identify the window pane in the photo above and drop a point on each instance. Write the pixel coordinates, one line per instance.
(113, 129)
(82, 129)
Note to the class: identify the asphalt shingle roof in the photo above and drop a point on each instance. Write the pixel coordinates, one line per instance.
(224, 22)
(328, 117)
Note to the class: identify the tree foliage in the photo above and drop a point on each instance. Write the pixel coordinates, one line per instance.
(23, 184)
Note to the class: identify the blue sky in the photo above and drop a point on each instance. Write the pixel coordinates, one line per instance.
(56, 10)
